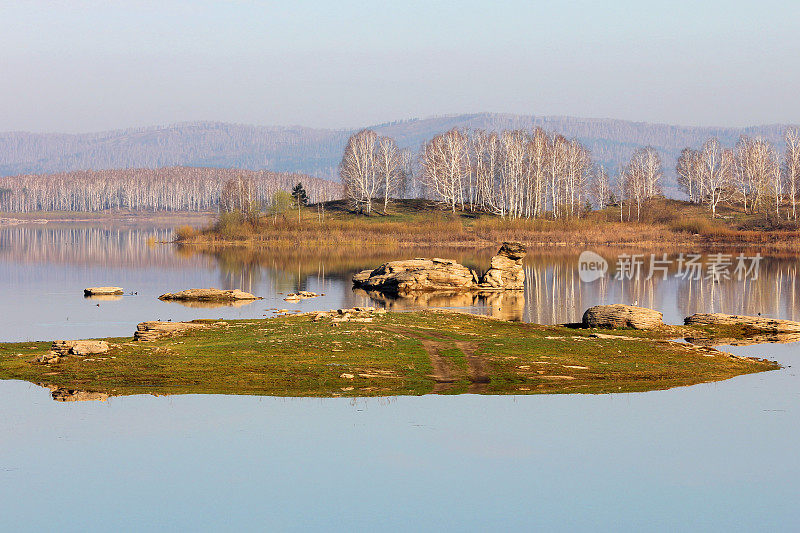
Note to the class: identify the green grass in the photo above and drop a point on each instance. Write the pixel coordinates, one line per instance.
(295, 356)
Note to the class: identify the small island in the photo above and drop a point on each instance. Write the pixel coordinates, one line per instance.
(369, 352)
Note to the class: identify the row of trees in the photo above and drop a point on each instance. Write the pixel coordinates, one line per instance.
(513, 173)
(752, 174)
(165, 189)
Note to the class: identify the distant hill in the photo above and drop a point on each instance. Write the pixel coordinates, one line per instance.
(318, 151)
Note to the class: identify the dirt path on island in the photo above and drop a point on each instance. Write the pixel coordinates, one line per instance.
(445, 372)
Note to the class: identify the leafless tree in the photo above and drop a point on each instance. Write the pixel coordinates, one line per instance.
(716, 174)
(358, 170)
(388, 167)
(792, 167)
(641, 178)
(601, 188)
(757, 176)
(445, 164)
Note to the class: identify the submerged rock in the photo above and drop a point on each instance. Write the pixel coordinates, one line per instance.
(767, 325)
(211, 294)
(102, 291)
(420, 275)
(622, 316)
(302, 295)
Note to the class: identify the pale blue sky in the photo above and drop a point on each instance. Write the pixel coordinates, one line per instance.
(77, 65)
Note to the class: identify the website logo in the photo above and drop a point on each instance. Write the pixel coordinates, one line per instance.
(591, 267)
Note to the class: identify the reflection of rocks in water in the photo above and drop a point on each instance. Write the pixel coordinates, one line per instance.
(63, 394)
(104, 297)
(775, 338)
(503, 305)
(200, 304)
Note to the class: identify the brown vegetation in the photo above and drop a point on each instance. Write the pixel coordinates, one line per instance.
(663, 223)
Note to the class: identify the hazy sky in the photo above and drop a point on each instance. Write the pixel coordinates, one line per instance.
(76, 65)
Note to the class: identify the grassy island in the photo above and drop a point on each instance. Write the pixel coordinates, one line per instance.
(386, 354)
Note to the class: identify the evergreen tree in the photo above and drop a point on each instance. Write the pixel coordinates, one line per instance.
(299, 194)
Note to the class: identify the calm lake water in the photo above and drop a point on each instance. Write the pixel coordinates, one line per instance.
(719, 456)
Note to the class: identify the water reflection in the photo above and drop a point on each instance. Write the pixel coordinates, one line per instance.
(55, 262)
(103, 297)
(208, 304)
(504, 305)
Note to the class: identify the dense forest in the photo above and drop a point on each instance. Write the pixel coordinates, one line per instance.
(164, 189)
(318, 151)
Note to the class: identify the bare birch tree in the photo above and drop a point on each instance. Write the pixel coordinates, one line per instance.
(445, 165)
(358, 170)
(389, 168)
(792, 167)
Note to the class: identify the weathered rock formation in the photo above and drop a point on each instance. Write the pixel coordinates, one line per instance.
(209, 295)
(102, 291)
(420, 275)
(85, 347)
(154, 329)
(622, 316)
(61, 349)
(505, 270)
(767, 325)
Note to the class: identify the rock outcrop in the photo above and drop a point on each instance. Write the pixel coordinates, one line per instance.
(209, 295)
(764, 324)
(505, 270)
(86, 347)
(427, 275)
(60, 349)
(102, 291)
(155, 329)
(622, 316)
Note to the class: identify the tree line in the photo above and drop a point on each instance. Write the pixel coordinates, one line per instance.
(164, 189)
(514, 173)
(539, 173)
(752, 174)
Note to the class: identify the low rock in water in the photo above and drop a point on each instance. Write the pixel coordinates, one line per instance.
(102, 291)
(767, 325)
(211, 294)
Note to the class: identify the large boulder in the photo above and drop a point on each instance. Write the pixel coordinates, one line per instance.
(760, 323)
(209, 295)
(622, 316)
(505, 270)
(426, 275)
(85, 347)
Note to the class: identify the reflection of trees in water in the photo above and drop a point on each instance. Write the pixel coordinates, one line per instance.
(773, 293)
(89, 245)
(553, 291)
